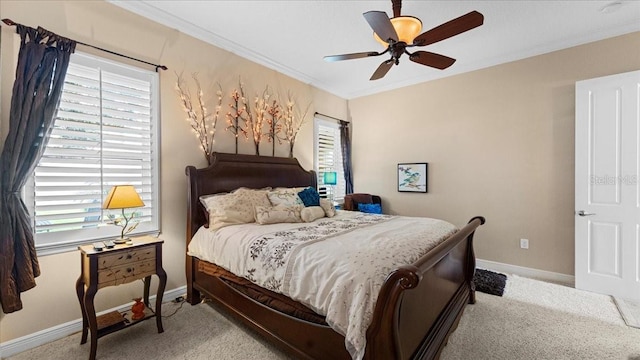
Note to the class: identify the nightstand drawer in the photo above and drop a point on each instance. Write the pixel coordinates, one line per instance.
(126, 257)
(117, 275)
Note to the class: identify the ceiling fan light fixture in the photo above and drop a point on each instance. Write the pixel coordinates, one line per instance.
(407, 28)
(402, 32)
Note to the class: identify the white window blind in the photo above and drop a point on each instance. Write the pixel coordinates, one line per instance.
(105, 134)
(328, 157)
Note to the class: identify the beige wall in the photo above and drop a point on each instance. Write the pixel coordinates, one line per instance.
(499, 143)
(53, 301)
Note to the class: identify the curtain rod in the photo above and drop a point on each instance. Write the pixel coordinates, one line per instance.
(330, 117)
(13, 23)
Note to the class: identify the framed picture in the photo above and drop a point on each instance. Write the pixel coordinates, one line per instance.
(412, 177)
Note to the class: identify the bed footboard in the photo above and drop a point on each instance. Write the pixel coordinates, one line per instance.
(420, 305)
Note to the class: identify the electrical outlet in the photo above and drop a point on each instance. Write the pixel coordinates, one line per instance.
(524, 243)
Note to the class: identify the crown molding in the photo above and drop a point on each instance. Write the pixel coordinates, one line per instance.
(152, 13)
(148, 11)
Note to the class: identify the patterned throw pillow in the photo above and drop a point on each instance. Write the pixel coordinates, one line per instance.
(327, 206)
(280, 214)
(370, 208)
(285, 197)
(257, 197)
(309, 197)
(237, 207)
(311, 213)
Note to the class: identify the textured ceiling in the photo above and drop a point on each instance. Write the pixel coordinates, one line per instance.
(293, 36)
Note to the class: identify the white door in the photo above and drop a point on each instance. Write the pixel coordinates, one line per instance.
(607, 220)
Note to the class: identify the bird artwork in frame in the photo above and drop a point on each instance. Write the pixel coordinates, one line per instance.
(412, 177)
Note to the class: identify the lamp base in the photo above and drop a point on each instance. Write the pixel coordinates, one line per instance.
(121, 240)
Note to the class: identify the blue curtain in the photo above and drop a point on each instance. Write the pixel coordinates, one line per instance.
(345, 141)
(42, 65)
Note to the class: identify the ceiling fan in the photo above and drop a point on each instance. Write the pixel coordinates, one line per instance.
(401, 32)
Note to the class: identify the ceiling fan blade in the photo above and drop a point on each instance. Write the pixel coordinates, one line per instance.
(351, 56)
(451, 28)
(432, 59)
(382, 70)
(381, 25)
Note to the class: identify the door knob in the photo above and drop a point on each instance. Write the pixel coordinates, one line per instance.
(583, 213)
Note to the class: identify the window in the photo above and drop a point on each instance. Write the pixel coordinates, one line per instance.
(328, 157)
(105, 134)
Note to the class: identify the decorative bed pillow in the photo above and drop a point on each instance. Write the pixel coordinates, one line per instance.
(203, 198)
(280, 214)
(309, 197)
(237, 207)
(257, 197)
(228, 209)
(285, 197)
(370, 208)
(311, 213)
(203, 202)
(327, 206)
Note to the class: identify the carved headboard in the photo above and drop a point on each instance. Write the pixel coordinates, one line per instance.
(228, 172)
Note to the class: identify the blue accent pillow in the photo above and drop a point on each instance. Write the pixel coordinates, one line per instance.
(370, 208)
(309, 197)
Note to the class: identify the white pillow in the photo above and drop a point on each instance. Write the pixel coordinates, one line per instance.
(227, 209)
(311, 213)
(203, 198)
(235, 208)
(280, 214)
(327, 206)
(285, 197)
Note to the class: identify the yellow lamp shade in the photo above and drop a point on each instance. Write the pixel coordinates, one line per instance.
(122, 197)
(407, 28)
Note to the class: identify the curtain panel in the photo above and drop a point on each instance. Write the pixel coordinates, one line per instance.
(345, 141)
(42, 64)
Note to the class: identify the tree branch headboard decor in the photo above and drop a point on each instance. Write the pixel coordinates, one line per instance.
(269, 118)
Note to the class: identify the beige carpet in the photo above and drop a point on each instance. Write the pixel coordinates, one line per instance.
(630, 311)
(537, 320)
(533, 320)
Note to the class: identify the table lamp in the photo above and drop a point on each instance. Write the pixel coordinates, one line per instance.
(330, 178)
(123, 197)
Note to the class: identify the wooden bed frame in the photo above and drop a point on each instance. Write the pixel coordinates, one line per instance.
(417, 309)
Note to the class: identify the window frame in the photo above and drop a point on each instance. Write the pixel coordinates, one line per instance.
(50, 243)
(339, 190)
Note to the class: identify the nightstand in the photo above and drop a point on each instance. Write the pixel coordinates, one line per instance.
(111, 267)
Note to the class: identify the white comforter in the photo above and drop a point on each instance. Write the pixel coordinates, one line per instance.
(326, 265)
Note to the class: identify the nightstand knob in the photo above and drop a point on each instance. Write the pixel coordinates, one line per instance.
(129, 256)
(129, 270)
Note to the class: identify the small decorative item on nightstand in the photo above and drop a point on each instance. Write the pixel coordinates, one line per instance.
(137, 309)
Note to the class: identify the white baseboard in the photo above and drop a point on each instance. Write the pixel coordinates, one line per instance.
(15, 346)
(532, 273)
